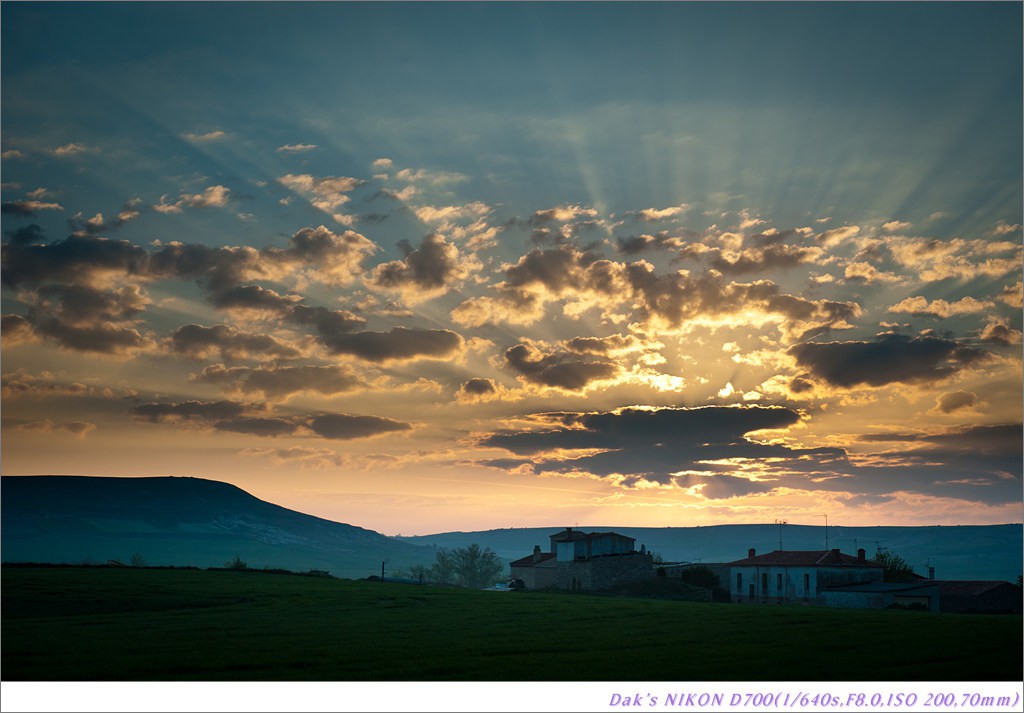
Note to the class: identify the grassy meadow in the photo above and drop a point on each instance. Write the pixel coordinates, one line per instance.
(78, 624)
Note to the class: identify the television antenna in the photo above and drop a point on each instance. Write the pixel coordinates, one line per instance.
(780, 523)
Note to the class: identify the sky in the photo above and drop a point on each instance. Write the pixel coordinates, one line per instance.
(433, 267)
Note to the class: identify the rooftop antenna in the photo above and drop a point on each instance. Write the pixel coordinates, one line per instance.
(780, 523)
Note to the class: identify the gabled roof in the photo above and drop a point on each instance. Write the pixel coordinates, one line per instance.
(574, 535)
(969, 588)
(528, 560)
(802, 558)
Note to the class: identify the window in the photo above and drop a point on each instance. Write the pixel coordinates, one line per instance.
(764, 584)
(778, 582)
(739, 581)
(807, 585)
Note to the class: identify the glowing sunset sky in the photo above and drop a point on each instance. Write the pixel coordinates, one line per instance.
(440, 267)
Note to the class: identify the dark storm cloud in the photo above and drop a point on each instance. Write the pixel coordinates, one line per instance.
(655, 443)
(253, 297)
(317, 252)
(198, 342)
(256, 426)
(953, 401)
(328, 323)
(76, 259)
(771, 257)
(604, 346)
(890, 358)
(399, 344)
(479, 387)
(558, 370)
(432, 266)
(283, 381)
(81, 304)
(341, 426)
(15, 328)
(104, 338)
(26, 209)
(189, 411)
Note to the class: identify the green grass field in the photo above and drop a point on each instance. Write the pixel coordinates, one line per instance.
(80, 624)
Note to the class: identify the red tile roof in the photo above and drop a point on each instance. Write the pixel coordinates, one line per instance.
(797, 558)
(528, 560)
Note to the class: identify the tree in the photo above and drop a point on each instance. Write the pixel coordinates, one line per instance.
(137, 560)
(895, 567)
(236, 563)
(477, 568)
(443, 569)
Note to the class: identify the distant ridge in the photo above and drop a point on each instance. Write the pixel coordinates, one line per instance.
(180, 521)
(956, 552)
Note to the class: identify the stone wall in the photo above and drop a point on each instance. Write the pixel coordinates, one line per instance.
(605, 572)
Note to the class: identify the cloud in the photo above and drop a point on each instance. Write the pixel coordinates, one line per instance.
(296, 148)
(104, 338)
(425, 272)
(955, 400)
(891, 358)
(650, 215)
(325, 193)
(210, 136)
(772, 257)
(155, 412)
(211, 197)
(866, 272)
(919, 306)
(442, 214)
(382, 164)
(1004, 228)
(482, 390)
(15, 329)
(999, 332)
(230, 344)
(557, 370)
(98, 224)
(71, 149)
(1013, 295)
(561, 214)
(932, 260)
(22, 384)
(83, 305)
(895, 226)
(76, 428)
(398, 344)
(264, 427)
(76, 259)
(835, 236)
(636, 244)
(341, 426)
(12, 153)
(283, 382)
(27, 209)
(661, 301)
(654, 444)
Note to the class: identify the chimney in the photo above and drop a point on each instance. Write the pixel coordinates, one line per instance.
(751, 552)
(834, 555)
(536, 553)
(861, 555)
(931, 572)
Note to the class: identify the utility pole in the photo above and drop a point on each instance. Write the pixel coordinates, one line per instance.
(382, 570)
(826, 529)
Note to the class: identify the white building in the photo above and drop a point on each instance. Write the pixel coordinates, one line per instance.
(796, 576)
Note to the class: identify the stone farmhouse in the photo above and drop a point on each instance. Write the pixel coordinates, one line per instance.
(583, 561)
(797, 577)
